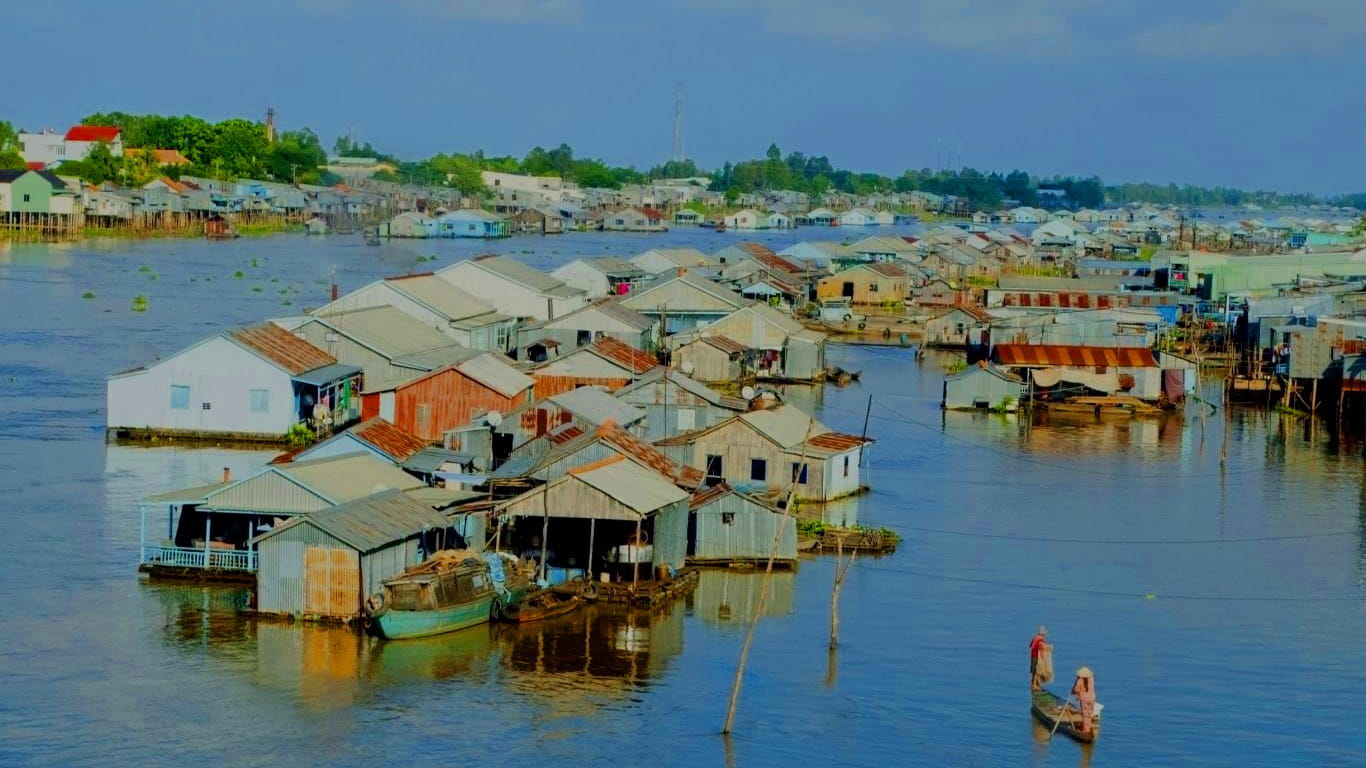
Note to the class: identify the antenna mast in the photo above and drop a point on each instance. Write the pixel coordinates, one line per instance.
(678, 122)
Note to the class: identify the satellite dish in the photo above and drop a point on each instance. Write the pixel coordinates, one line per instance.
(687, 367)
(493, 418)
(747, 393)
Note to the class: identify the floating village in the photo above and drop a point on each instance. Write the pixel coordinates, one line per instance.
(486, 441)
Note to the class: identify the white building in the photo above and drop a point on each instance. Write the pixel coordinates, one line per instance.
(47, 147)
(602, 276)
(436, 302)
(253, 382)
(746, 219)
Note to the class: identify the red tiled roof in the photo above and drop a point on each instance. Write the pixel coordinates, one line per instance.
(282, 347)
(1075, 356)
(624, 354)
(92, 133)
(651, 213)
(388, 438)
(834, 441)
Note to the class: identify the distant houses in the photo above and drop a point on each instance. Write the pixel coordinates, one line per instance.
(436, 302)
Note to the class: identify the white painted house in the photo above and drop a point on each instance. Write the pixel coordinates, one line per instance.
(47, 147)
(857, 217)
(602, 276)
(253, 382)
(514, 288)
(659, 260)
(746, 219)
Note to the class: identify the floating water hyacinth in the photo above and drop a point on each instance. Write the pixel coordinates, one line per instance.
(88, 295)
(139, 303)
(239, 274)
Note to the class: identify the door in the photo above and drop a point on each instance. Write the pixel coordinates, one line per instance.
(331, 582)
(847, 289)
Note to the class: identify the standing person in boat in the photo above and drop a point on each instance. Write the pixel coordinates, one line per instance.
(1038, 644)
(1085, 691)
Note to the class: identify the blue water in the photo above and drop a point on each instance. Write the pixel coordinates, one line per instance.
(1243, 649)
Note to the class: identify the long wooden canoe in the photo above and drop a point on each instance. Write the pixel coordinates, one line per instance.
(1048, 707)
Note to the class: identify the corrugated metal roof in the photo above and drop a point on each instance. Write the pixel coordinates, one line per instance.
(564, 434)
(496, 374)
(608, 306)
(785, 425)
(93, 133)
(372, 522)
(386, 438)
(327, 374)
(430, 459)
(630, 484)
(725, 344)
(289, 352)
(1075, 356)
(594, 405)
(706, 496)
(347, 477)
(615, 267)
(386, 330)
(624, 355)
(524, 275)
(186, 495)
(835, 441)
(440, 295)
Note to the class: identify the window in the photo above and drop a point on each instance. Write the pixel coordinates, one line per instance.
(727, 518)
(26, 197)
(758, 470)
(872, 287)
(687, 419)
(585, 338)
(180, 398)
(798, 473)
(846, 466)
(424, 415)
(714, 469)
(206, 406)
(260, 400)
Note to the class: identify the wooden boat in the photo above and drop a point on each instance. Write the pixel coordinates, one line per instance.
(542, 604)
(1112, 405)
(453, 590)
(1048, 707)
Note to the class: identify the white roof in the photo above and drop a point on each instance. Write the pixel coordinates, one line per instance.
(633, 485)
(786, 425)
(595, 405)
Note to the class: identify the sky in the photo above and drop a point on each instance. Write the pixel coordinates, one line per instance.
(1257, 94)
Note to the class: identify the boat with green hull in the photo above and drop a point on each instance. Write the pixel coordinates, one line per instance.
(451, 591)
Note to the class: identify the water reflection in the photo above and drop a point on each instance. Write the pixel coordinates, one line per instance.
(729, 599)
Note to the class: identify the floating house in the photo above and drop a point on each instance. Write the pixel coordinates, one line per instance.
(602, 276)
(387, 344)
(384, 440)
(429, 404)
(606, 362)
(746, 219)
(762, 451)
(587, 407)
(470, 222)
(658, 260)
(325, 564)
(514, 288)
(635, 220)
(857, 217)
(250, 383)
(884, 248)
(875, 283)
(716, 359)
(412, 224)
(604, 318)
(538, 221)
(1062, 370)
(819, 217)
(786, 350)
(433, 301)
(675, 402)
(727, 526)
(684, 301)
(818, 252)
(962, 326)
(209, 528)
(983, 387)
(612, 516)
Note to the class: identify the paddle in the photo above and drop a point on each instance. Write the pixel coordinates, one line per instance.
(1061, 712)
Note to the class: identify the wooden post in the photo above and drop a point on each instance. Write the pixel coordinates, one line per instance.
(635, 559)
(208, 526)
(763, 593)
(592, 531)
(545, 526)
(841, 570)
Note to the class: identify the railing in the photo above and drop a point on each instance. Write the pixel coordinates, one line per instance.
(184, 557)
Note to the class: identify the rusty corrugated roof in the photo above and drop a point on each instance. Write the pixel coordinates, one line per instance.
(624, 354)
(708, 495)
(564, 434)
(647, 454)
(388, 438)
(1075, 356)
(834, 441)
(281, 347)
(886, 269)
(725, 344)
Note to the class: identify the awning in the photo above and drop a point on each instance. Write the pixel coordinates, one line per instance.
(320, 377)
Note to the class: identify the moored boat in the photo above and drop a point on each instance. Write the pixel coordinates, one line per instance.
(452, 590)
(1048, 708)
(1112, 405)
(542, 604)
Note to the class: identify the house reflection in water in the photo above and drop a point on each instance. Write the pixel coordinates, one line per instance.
(729, 599)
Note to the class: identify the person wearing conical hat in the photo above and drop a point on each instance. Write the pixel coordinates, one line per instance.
(1037, 645)
(1085, 691)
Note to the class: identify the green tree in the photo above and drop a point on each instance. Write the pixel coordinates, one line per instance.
(295, 156)
(10, 158)
(241, 147)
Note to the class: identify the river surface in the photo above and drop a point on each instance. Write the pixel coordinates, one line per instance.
(1222, 609)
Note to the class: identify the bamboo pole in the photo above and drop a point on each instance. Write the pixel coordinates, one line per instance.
(841, 570)
(763, 592)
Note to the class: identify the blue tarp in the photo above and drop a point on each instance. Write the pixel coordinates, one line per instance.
(1170, 314)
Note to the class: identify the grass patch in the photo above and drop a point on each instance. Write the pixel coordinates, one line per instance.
(139, 303)
(88, 295)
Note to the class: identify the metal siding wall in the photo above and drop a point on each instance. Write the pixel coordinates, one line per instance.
(750, 536)
(269, 492)
(587, 455)
(280, 576)
(671, 535)
(803, 359)
(451, 397)
(375, 366)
